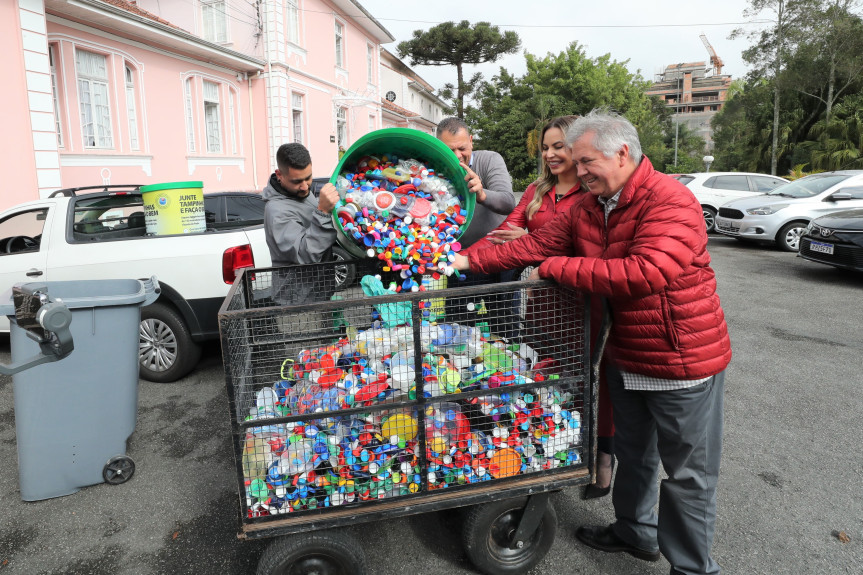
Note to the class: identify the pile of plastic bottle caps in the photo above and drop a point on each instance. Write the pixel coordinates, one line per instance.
(528, 422)
(402, 213)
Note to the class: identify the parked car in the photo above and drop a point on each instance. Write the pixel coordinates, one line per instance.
(225, 210)
(712, 189)
(782, 215)
(100, 232)
(835, 239)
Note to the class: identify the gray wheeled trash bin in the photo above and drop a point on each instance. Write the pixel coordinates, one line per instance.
(73, 415)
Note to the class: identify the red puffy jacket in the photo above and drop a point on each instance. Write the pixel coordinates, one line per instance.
(651, 262)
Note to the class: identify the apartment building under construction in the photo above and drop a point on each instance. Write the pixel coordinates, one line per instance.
(695, 91)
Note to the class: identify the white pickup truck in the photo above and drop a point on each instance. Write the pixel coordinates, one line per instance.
(99, 232)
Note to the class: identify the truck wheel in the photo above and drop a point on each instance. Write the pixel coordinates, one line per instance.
(487, 537)
(345, 274)
(317, 553)
(166, 351)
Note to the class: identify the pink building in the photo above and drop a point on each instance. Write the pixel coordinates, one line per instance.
(113, 91)
(408, 100)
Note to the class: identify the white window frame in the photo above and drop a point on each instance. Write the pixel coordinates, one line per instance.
(232, 119)
(339, 32)
(190, 116)
(212, 120)
(92, 87)
(55, 93)
(292, 21)
(214, 17)
(342, 127)
(297, 105)
(131, 107)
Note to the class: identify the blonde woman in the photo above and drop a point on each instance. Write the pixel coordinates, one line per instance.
(553, 193)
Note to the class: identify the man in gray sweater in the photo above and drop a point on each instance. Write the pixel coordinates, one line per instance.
(487, 178)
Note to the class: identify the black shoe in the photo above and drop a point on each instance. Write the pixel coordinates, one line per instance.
(604, 539)
(591, 491)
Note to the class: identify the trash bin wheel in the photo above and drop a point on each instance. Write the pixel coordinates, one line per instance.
(119, 469)
(315, 553)
(487, 537)
(166, 351)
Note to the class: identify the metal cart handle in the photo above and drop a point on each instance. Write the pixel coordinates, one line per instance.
(52, 334)
(601, 339)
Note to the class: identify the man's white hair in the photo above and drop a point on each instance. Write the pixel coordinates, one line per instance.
(610, 132)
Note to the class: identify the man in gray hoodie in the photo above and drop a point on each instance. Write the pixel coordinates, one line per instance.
(298, 227)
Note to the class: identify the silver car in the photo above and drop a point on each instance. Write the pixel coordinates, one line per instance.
(782, 215)
(713, 189)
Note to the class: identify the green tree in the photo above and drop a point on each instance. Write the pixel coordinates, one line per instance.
(779, 120)
(838, 143)
(456, 45)
(830, 60)
(511, 110)
(768, 54)
(690, 151)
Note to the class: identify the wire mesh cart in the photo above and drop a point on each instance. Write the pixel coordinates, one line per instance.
(362, 405)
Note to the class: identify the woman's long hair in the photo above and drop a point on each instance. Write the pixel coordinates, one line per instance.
(547, 180)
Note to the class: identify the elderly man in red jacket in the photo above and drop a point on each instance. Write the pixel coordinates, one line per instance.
(638, 240)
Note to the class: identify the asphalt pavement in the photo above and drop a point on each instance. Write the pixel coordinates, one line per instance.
(791, 482)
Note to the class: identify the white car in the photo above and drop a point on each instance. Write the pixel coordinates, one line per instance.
(712, 189)
(783, 215)
(100, 232)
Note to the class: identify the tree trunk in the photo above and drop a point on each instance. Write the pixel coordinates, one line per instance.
(776, 71)
(831, 84)
(459, 96)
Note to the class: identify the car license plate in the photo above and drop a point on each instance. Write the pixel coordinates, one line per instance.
(728, 225)
(821, 248)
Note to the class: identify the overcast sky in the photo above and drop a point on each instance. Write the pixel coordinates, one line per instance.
(650, 35)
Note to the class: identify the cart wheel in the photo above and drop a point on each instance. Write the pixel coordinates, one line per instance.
(488, 531)
(119, 469)
(318, 553)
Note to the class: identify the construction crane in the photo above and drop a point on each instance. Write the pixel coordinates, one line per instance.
(715, 60)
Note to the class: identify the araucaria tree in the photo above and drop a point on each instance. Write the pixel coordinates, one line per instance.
(456, 45)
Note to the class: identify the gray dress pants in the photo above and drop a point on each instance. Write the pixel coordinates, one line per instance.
(682, 429)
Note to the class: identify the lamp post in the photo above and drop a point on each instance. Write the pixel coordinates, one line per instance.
(708, 160)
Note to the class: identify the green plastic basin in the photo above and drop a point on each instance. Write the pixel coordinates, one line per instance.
(404, 143)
